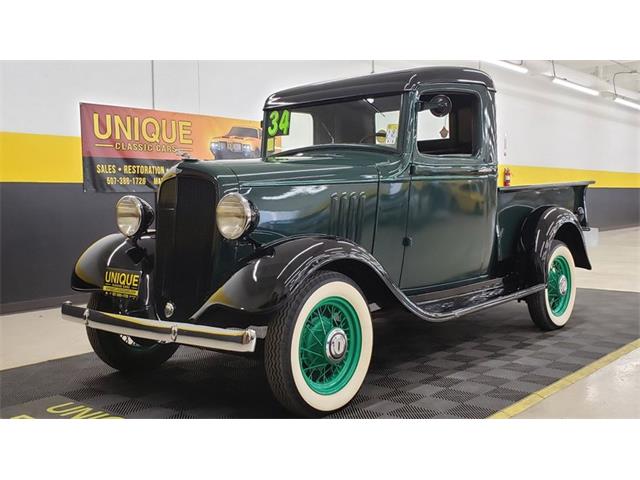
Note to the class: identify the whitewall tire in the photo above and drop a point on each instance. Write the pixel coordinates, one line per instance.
(318, 348)
(552, 308)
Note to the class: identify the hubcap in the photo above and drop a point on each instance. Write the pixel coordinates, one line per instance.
(559, 285)
(562, 285)
(330, 344)
(336, 345)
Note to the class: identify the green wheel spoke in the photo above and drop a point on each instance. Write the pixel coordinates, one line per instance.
(323, 327)
(311, 368)
(314, 336)
(311, 352)
(315, 368)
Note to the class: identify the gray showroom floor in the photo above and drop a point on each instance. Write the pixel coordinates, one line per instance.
(613, 391)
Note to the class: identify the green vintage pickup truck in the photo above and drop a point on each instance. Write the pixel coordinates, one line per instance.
(372, 192)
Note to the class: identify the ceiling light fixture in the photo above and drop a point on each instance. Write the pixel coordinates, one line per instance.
(627, 103)
(622, 100)
(572, 85)
(510, 66)
(575, 86)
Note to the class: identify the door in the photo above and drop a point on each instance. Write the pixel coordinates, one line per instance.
(453, 191)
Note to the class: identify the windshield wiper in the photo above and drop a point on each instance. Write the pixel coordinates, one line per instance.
(333, 140)
(373, 106)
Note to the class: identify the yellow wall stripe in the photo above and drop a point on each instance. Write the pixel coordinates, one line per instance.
(27, 157)
(526, 175)
(32, 158)
(536, 397)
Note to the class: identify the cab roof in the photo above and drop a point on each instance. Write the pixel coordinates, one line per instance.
(377, 83)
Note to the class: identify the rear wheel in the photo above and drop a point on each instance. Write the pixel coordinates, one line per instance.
(552, 308)
(318, 347)
(122, 352)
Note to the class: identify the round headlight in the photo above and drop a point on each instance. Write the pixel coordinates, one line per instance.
(234, 216)
(133, 215)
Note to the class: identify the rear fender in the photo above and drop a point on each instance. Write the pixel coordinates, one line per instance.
(117, 251)
(541, 227)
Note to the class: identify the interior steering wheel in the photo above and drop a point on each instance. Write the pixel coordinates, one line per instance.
(374, 135)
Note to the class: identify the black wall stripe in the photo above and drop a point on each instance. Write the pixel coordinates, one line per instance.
(44, 227)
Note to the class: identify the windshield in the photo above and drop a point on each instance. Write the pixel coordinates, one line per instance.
(242, 132)
(371, 121)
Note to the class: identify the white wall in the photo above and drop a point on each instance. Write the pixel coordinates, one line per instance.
(43, 96)
(545, 124)
(239, 89)
(568, 128)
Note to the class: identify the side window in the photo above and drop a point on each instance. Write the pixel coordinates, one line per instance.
(456, 134)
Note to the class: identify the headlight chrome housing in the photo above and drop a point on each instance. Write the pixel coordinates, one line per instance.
(133, 215)
(235, 216)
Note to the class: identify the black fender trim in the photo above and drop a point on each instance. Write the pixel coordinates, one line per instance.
(275, 271)
(117, 251)
(266, 280)
(540, 228)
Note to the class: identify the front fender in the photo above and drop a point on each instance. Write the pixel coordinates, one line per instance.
(541, 227)
(273, 272)
(117, 251)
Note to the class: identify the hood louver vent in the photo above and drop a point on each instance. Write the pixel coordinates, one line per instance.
(347, 213)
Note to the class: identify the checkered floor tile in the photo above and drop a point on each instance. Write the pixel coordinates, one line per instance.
(466, 368)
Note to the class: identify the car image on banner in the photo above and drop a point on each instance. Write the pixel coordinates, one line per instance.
(239, 142)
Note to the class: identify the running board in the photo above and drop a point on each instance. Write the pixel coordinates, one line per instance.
(443, 310)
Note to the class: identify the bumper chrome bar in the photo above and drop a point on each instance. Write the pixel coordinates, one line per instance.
(229, 339)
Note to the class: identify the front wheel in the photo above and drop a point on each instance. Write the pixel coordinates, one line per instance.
(318, 347)
(124, 353)
(551, 308)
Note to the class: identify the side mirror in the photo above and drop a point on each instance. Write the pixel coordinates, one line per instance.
(440, 105)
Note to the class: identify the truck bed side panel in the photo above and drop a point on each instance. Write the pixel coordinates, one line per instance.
(516, 203)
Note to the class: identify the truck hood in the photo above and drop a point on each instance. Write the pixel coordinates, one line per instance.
(329, 167)
(295, 194)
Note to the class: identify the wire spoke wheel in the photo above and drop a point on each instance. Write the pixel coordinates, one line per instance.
(559, 285)
(124, 352)
(552, 307)
(330, 345)
(135, 342)
(319, 344)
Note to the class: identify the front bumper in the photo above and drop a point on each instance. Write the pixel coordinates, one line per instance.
(229, 339)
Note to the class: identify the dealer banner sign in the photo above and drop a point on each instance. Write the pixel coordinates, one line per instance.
(130, 149)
